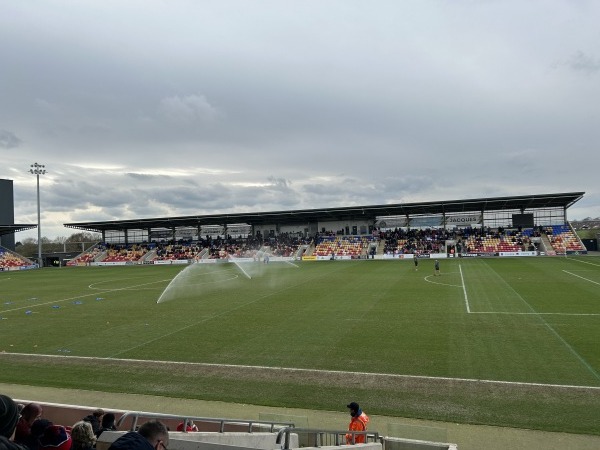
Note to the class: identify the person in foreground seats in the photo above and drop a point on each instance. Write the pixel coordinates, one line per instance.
(95, 419)
(108, 424)
(37, 430)
(358, 422)
(83, 436)
(55, 437)
(30, 413)
(9, 415)
(151, 435)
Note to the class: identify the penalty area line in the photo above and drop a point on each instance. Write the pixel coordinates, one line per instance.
(302, 370)
(462, 280)
(583, 278)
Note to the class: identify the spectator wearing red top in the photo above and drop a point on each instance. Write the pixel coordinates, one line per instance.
(29, 414)
(190, 426)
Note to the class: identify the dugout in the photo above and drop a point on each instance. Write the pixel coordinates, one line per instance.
(591, 245)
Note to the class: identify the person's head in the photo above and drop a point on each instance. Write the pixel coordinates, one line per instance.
(55, 437)
(9, 415)
(108, 420)
(354, 408)
(38, 427)
(83, 434)
(98, 413)
(31, 412)
(156, 433)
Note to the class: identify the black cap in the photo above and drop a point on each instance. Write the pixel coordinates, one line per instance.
(9, 415)
(353, 406)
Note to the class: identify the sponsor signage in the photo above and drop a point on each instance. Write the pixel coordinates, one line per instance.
(434, 221)
(517, 254)
(391, 222)
(466, 219)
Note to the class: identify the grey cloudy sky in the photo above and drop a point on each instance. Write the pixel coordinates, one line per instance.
(153, 108)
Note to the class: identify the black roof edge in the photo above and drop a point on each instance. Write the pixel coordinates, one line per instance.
(15, 228)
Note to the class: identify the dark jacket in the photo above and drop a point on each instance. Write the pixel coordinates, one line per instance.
(6, 444)
(93, 420)
(131, 441)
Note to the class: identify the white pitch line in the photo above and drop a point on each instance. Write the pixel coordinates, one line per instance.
(584, 262)
(534, 313)
(583, 278)
(462, 280)
(427, 278)
(303, 370)
(553, 331)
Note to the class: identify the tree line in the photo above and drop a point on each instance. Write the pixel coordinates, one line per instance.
(77, 242)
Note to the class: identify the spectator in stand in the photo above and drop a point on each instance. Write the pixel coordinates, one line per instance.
(30, 413)
(152, 435)
(83, 436)
(108, 424)
(95, 419)
(358, 422)
(55, 437)
(190, 427)
(9, 416)
(37, 430)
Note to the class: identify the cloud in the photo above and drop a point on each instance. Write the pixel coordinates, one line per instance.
(281, 105)
(188, 110)
(9, 140)
(581, 62)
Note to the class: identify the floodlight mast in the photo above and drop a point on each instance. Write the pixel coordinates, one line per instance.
(37, 170)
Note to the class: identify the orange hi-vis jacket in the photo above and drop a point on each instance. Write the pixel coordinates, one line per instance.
(358, 423)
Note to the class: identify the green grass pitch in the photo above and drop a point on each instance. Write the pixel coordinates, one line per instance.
(508, 342)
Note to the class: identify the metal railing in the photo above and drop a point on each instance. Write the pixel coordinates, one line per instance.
(319, 438)
(250, 424)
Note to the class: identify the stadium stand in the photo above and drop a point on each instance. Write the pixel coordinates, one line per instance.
(12, 260)
(353, 246)
(174, 252)
(399, 241)
(131, 253)
(88, 256)
(430, 240)
(563, 238)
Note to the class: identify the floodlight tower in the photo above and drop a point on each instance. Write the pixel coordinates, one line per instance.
(37, 170)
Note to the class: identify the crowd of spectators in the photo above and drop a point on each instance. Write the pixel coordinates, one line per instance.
(209, 247)
(395, 242)
(415, 241)
(464, 240)
(353, 246)
(23, 427)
